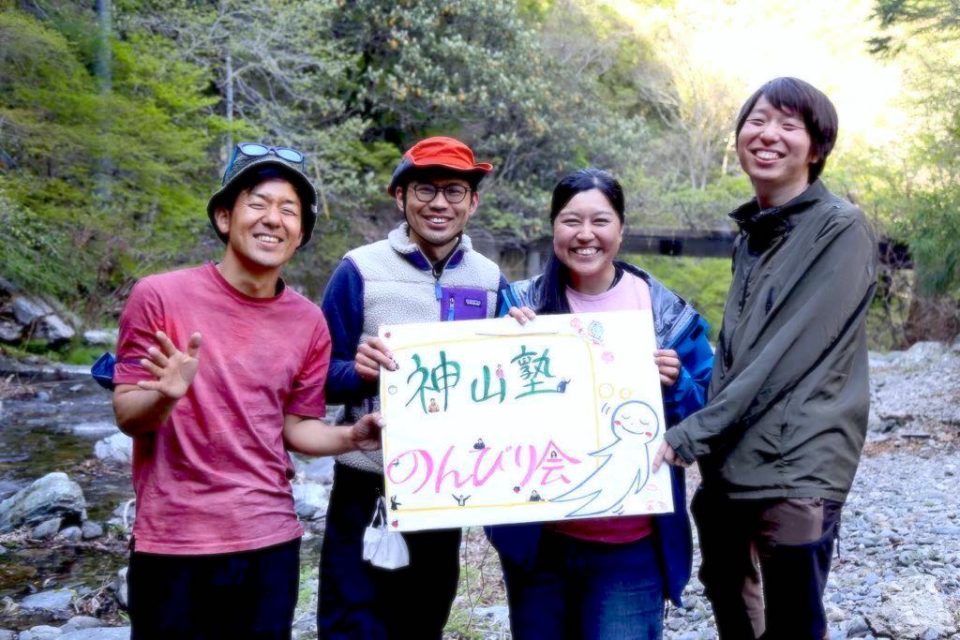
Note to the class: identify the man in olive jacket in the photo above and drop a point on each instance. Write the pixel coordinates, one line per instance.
(779, 440)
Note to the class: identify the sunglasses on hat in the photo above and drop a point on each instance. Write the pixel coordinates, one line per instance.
(257, 150)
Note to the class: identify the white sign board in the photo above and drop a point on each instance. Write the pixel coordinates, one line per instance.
(489, 422)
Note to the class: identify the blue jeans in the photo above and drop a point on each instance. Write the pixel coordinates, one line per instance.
(589, 590)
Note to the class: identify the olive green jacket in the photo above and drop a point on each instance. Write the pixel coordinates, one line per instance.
(787, 407)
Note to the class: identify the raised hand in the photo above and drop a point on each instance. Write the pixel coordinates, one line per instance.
(172, 369)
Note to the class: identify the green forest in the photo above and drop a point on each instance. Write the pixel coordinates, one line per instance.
(116, 118)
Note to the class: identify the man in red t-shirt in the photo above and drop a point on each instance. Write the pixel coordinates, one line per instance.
(215, 548)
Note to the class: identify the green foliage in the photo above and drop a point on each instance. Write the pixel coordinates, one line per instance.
(925, 195)
(92, 173)
(920, 17)
(478, 69)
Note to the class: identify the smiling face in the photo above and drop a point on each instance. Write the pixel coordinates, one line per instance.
(436, 226)
(587, 233)
(263, 228)
(774, 150)
(637, 419)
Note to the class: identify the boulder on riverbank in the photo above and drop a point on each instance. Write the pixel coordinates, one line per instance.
(116, 448)
(26, 317)
(52, 496)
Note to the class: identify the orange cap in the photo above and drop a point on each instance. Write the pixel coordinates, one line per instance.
(438, 151)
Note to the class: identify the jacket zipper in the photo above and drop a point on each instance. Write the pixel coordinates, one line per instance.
(437, 269)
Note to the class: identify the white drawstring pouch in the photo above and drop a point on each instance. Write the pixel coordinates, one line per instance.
(381, 547)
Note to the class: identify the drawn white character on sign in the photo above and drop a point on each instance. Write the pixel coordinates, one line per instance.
(627, 465)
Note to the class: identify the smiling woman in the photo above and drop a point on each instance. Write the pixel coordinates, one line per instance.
(605, 577)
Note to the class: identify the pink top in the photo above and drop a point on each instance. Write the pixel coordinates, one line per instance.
(215, 477)
(629, 294)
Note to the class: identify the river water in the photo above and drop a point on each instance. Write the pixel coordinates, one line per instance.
(52, 424)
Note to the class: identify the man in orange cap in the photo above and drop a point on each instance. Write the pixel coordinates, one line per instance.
(425, 270)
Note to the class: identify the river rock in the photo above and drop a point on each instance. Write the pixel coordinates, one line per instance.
(10, 331)
(914, 608)
(99, 429)
(100, 337)
(53, 495)
(28, 310)
(100, 633)
(310, 501)
(53, 330)
(115, 448)
(124, 515)
(315, 469)
(72, 534)
(41, 632)
(47, 529)
(41, 319)
(91, 530)
(54, 601)
(121, 588)
(78, 623)
(7, 634)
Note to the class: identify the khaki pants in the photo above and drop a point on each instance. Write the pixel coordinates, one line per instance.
(765, 564)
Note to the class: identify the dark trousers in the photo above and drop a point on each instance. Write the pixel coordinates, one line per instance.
(358, 600)
(249, 595)
(580, 590)
(765, 564)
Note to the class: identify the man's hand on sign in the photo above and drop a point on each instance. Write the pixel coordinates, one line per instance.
(371, 355)
(666, 454)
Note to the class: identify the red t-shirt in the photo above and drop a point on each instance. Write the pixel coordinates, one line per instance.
(215, 477)
(628, 294)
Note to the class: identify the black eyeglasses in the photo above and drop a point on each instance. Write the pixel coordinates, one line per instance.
(454, 193)
(257, 150)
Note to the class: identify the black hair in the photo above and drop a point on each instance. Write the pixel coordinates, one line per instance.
(249, 180)
(553, 284)
(812, 105)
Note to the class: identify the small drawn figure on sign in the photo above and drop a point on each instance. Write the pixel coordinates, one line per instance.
(394, 504)
(479, 445)
(434, 407)
(626, 467)
(461, 499)
(499, 372)
(535, 497)
(596, 332)
(562, 385)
